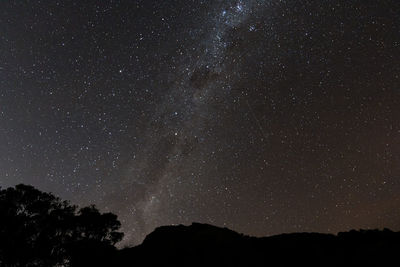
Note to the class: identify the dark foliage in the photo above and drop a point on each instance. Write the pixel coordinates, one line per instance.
(38, 229)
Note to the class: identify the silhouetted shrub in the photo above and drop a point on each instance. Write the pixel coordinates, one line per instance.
(39, 229)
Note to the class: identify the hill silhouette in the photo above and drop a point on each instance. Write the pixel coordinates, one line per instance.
(39, 229)
(207, 245)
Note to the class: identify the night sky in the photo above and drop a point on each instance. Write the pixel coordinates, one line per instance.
(264, 116)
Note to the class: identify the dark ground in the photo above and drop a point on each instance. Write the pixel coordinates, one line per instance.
(206, 245)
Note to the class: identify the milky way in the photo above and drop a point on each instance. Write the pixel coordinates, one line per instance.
(179, 122)
(261, 116)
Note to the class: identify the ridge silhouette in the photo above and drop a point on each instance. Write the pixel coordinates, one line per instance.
(38, 229)
(207, 245)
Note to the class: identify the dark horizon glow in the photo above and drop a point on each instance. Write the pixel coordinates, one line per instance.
(262, 116)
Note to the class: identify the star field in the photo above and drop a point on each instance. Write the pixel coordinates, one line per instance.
(262, 116)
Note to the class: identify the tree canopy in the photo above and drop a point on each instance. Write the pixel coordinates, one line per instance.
(39, 229)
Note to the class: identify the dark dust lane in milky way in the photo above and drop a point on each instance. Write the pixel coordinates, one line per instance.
(262, 116)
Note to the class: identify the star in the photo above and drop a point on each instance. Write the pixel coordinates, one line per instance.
(225, 112)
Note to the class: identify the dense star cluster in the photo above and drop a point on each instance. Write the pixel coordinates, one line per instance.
(265, 116)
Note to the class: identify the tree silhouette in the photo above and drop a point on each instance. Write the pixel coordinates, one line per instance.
(39, 229)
